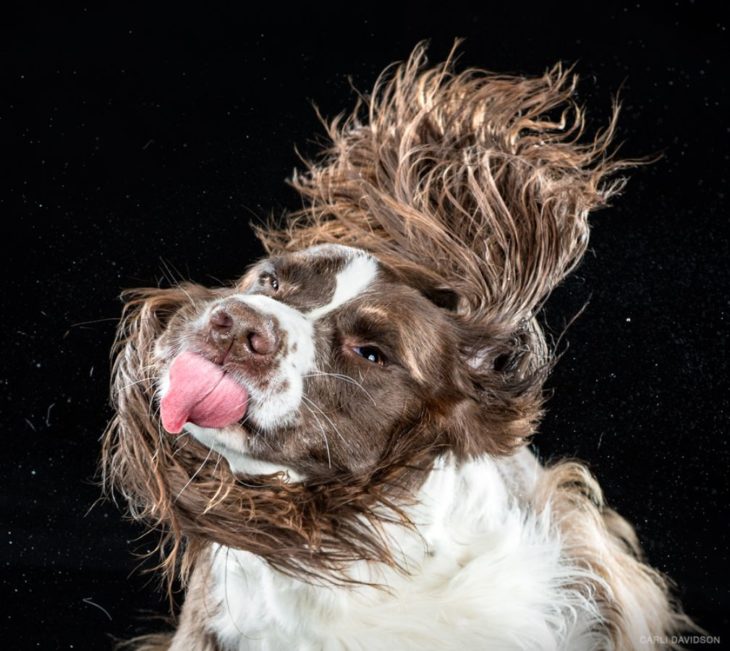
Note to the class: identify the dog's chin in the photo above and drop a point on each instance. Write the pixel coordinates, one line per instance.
(233, 443)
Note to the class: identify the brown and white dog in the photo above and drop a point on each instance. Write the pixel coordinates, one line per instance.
(334, 447)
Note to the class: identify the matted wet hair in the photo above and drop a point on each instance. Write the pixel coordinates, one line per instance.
(471, 186)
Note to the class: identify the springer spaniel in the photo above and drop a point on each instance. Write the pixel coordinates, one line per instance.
(334, 447)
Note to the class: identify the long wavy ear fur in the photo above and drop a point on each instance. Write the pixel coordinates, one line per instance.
(133, 462)
(475, 182)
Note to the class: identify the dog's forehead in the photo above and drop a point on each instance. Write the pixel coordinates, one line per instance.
(329, 259)
(359, 270)
(325, 276)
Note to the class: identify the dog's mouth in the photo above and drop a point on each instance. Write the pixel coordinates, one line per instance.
(200, 392)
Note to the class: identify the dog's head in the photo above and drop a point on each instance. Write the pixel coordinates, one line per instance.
(394, 320)
(315, 362)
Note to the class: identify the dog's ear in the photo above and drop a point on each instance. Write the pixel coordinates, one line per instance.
(482, 183)
(131, 450)
(476, 182)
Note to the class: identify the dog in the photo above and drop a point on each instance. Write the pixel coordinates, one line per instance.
(334, 447)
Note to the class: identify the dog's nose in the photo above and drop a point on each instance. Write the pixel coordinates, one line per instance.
(240, 332)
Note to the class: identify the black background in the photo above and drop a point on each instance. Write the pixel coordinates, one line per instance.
(139, 144)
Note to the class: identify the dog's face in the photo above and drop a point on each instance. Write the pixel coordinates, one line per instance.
(326, 357)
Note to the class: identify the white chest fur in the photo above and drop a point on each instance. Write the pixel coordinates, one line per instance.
(490, 575)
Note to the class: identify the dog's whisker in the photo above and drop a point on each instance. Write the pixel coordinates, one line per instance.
(345, 378)
(195, 474)
(314, 404)
(190, 298)
(324, 434)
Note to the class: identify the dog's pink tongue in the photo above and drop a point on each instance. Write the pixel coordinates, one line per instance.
(200, 393)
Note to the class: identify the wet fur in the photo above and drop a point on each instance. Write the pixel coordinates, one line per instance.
(473, 188)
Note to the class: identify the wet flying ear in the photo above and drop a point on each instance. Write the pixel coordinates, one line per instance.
(442, 297)
(148, 310)
(132, 438)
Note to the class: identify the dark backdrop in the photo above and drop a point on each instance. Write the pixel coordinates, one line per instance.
(139, 145)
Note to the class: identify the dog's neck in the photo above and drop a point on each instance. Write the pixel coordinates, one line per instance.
(478, 551)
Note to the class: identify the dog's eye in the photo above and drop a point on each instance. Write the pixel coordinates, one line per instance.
(268, 279)
(370, 353)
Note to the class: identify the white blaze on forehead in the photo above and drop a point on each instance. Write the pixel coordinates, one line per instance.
(359, 272)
